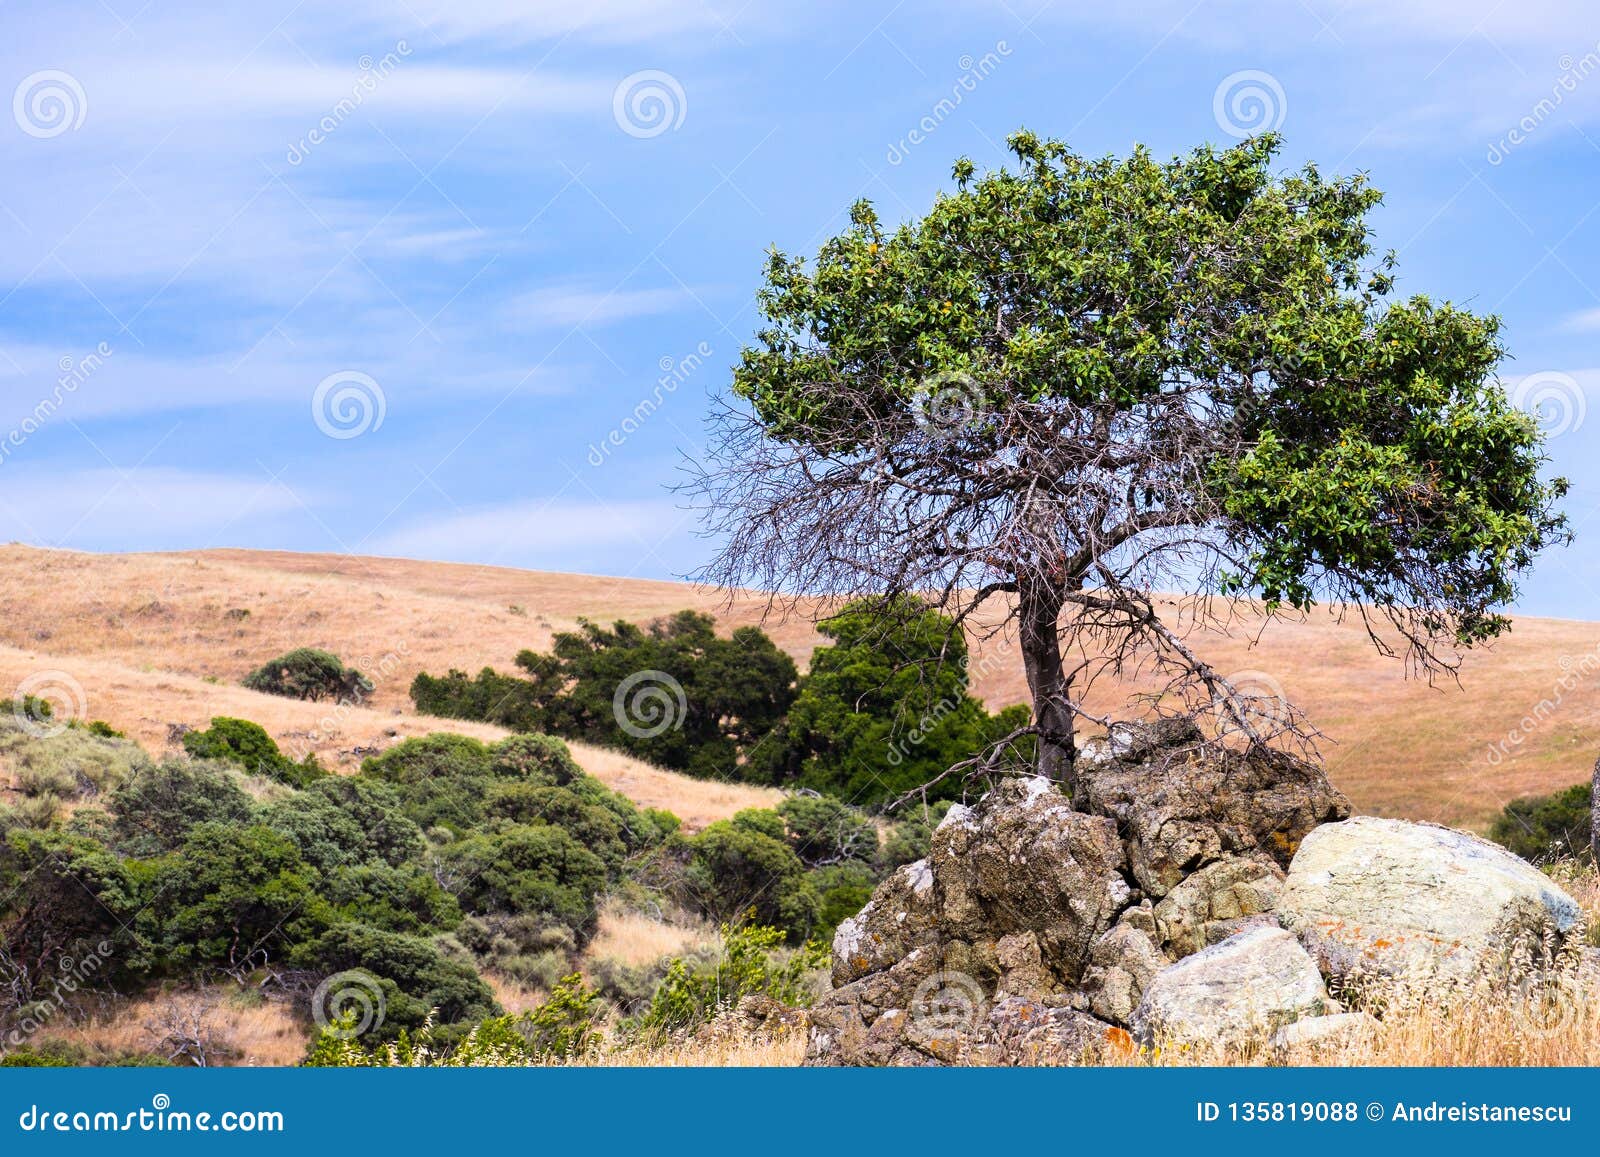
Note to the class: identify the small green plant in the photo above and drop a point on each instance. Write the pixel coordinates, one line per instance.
(752, 962)
(563, 1026)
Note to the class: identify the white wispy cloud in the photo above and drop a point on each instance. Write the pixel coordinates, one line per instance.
(569, 305)
(552, 535)
(162, 507)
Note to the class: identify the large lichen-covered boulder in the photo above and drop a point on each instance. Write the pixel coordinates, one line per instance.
(1011, 897)
(1375, 897)
(1243, 989)
(1182, 805)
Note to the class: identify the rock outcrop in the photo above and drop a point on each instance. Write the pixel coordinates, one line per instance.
(1386, 898)
(1192, 898)
(1180, 808)
(1032, 930)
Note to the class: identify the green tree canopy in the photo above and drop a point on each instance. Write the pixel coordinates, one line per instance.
(1076, 382)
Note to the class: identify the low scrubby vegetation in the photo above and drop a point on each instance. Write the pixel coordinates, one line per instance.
(1548, 828)
(447, 870)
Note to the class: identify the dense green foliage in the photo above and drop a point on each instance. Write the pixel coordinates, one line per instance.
(1542, 828)
(248, 744)
(696, 702)
(307, 673)
(884, 708)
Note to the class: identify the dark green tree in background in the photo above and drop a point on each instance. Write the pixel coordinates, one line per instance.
(1077, 382)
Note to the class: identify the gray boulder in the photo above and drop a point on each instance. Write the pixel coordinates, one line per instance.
(1377, 897)
(1240, 990)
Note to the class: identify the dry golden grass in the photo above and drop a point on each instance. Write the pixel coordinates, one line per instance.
(144, 633)
(262, 1033)
(785, 1050)
(633, 938)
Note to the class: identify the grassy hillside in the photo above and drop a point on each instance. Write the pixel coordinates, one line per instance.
(159, 639)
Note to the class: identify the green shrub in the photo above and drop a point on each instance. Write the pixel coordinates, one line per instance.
(739, 869)
(247, 744)
(563, 1026)
(884, 709)
(1542, 828)
(750, 962)
(490, 698)
(418, 983)
(154, 811)
(533, 870)
(307, 673)
(823, 830)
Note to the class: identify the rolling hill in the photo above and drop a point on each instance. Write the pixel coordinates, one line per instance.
(155, 640)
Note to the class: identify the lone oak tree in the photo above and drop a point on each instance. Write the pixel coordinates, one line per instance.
(1077, 382)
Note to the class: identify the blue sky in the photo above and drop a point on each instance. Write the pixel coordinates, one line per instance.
(383, 276)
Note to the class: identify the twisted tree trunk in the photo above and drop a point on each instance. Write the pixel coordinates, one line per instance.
(1039, 613)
